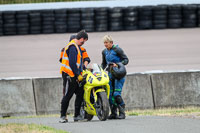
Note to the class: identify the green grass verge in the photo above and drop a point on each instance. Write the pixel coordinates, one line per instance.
(187, 111)
(31, 116)
(27, 128)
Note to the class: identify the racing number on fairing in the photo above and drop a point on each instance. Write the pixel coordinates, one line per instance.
(90, 80)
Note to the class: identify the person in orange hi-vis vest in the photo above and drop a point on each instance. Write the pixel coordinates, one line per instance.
(86, 58)
(86, 61)
(72, 64)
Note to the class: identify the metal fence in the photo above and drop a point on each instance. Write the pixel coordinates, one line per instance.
(36, 1)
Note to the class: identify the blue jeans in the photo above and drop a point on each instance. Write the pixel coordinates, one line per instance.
(115, 88)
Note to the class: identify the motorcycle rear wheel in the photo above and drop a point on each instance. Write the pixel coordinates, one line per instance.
(102, 106)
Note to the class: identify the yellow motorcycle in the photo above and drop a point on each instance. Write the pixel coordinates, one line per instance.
(96, 93)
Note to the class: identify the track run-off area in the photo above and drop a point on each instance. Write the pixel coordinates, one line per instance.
(148, 50)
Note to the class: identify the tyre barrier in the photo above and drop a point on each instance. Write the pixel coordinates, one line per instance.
(160, 17)
(35, 22)
(140, 91)
(198, 18)
(99, 19)
(1, 24)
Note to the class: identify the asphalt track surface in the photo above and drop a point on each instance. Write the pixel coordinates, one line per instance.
(132, 124)
(148, 50)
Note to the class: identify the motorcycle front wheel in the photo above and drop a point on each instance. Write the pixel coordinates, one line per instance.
(102, 106)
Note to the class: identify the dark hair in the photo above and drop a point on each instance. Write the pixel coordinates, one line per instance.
(82, 34)
(72, 37)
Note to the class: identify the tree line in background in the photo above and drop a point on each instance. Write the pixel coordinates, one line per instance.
(34, 1)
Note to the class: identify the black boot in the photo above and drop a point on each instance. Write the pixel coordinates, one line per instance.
(121, 111)
(113, 114)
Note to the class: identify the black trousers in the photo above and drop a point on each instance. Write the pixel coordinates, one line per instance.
(71, 88)
(64, 77)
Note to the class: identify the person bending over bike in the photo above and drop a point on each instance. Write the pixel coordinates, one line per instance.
(72, 66)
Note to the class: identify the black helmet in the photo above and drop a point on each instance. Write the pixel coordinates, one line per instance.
(119, 71)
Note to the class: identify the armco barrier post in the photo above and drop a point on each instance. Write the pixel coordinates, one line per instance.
(137, 92)
(48, 95)
(16, 97)
(176, 89)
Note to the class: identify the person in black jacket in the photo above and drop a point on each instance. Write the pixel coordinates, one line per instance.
(71, 67)
(112, 55)
(86, 61)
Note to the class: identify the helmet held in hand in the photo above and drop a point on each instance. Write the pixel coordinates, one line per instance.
(119, 71)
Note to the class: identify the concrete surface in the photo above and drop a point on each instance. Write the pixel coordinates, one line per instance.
(48, 94)
(176, 89)
(148, 50)
(137, 92)
(132, 124)
(16, 97)
(140, 91)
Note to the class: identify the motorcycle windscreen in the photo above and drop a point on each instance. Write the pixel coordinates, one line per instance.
(96, 69)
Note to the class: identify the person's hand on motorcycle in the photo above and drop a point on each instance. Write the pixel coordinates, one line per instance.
(80, 78)
(84, 67)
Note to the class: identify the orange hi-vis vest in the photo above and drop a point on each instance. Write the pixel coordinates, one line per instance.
(65, 60)
(62, 51)
(84, 53)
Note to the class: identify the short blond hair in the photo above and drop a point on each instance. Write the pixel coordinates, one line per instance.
(107, 38)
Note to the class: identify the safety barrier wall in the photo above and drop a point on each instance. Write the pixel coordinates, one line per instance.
(48, 95)
(176, 89)
(140, 91)
(17, 97)
(137, 92)
(99, 19)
